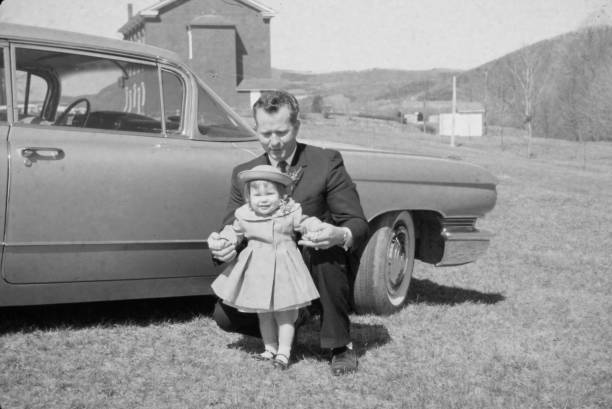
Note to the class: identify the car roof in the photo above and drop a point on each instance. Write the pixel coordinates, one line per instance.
(52, 37)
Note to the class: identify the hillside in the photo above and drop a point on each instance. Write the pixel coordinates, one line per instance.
(569, 78)
(378, 91)
(569, 82)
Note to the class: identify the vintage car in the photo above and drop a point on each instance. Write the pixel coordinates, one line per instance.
(116, 163)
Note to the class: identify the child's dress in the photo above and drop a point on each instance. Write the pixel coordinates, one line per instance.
(269, 274)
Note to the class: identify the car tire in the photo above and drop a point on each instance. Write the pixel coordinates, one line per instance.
(384, 274)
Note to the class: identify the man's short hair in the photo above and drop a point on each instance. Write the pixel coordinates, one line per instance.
(272, 101)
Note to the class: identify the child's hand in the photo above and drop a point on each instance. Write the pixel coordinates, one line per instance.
(310, 231)
(221, 247)
(310, 226)
(216, 243)
(310, 235)
(323, 237)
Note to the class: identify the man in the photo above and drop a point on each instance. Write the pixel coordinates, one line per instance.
(325, 190)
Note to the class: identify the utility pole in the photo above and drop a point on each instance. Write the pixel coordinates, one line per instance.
(424, 109)
(486, 101)
(454, 109)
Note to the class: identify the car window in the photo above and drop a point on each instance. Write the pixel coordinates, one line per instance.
(216, 122)
(173, 100)
(31, 92)
(84, 90)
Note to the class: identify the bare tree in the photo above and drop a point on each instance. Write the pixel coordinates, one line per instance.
(526, 70)
(505, 104)
(585, 100)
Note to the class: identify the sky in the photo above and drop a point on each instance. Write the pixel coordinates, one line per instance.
(328, 35)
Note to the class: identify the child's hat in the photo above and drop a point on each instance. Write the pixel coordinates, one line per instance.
(265, 172)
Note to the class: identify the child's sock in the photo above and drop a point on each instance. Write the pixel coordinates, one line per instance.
(286, 331)
(285, 351)
(267, 327)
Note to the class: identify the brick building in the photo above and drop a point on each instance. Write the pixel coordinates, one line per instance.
(226, 42)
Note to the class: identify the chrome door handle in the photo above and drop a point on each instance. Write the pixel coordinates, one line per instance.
(42, 153)
(27, 152)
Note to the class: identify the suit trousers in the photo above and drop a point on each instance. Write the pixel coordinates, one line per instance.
(330, 272)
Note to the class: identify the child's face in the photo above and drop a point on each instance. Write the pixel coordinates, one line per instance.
(264, 197)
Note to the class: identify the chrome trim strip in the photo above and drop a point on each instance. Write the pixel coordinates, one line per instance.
(475, 235)
(186, 243)
(476, 185)
(459, 221)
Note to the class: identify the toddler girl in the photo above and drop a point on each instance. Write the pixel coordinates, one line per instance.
(269, 276)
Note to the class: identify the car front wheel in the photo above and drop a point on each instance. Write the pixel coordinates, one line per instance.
(384, 274)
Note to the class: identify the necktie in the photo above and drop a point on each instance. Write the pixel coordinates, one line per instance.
(282, 165)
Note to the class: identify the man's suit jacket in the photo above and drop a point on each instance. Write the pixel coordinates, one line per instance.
(323, 188)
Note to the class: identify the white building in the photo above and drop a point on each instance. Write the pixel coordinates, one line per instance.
(466, 123)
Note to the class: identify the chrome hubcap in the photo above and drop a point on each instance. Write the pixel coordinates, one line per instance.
(396, 256)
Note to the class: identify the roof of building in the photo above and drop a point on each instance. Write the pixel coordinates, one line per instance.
(261, 84)
(53, 37)
(154, 11)
(446, 106)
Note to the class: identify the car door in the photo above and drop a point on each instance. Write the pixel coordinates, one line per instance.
(100, 189)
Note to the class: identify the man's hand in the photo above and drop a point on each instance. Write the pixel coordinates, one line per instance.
(323, 236)
(221, 248)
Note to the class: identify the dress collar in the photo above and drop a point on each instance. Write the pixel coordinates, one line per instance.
(245, 212)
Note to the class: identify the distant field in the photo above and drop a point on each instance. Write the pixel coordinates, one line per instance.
(527, 326)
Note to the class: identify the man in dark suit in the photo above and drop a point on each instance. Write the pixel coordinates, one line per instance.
(325, 190)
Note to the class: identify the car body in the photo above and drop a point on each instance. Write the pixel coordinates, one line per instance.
(104, 200)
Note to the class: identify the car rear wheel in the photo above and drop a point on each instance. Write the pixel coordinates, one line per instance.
(386, 266)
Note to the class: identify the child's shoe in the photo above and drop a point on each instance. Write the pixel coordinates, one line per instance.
(281, 362)
(265, 356)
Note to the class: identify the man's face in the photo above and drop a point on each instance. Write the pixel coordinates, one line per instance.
(276, 133)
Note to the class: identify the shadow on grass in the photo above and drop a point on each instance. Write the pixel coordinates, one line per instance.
(364, 336)
(134, 312)
(428, 292)
(182, 309)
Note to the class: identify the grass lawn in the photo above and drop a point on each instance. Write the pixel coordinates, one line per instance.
(529, 325)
